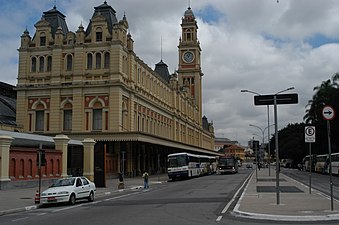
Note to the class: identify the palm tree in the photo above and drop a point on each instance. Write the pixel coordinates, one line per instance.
(322, 96)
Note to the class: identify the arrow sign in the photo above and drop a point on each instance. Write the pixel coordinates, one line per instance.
(328, 112)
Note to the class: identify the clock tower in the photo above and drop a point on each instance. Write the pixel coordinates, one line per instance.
(189, 68)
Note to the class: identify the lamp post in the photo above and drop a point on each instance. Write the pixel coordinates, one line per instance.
(268, 131)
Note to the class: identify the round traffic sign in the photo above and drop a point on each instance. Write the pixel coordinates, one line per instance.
(328, 112)
(310, 131)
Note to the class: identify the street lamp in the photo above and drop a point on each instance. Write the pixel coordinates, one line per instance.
(268, 130)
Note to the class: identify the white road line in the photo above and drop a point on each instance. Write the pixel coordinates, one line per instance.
(233, 199)
(20, 219)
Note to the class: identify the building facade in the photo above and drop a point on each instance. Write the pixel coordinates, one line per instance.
(91, 84)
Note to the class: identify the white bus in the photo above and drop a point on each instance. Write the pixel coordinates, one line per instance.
(307, 164)
(183, 165)
(335, 163)
(186, 165)
(321, 165)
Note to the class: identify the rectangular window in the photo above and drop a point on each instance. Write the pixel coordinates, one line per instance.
(67, 119)
(97, 119)
(42, 41)
(39, 120)
(98, 36)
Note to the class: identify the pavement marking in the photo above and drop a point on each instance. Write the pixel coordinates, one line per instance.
(69, 207)
(20, 219)
(233, 199)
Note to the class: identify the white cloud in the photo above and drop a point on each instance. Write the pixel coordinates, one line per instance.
(258, 45)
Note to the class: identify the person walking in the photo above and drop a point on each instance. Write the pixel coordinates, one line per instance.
(145, 176)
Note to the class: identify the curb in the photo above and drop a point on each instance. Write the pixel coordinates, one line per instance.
(10, 211)
(258, 216)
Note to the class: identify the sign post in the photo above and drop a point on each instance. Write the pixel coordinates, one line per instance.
(275, 100)
(328, 114)
(310, 138)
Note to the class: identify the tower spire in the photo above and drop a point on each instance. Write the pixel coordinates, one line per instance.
(161, 48)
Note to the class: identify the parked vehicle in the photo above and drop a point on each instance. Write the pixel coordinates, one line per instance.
(187, 165)
(69, 190)
(322, 163)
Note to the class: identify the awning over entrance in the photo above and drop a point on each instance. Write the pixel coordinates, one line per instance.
(34, 140)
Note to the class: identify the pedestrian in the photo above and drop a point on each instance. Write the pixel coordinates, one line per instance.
(145, 176)
(259, 166)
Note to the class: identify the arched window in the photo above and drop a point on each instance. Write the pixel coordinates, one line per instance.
(33, 65)
(68, 113)
(21, 168)
(12, 168)
(107, 58)
(49, 63)
(89, 61)
(39, 120)
(97, 116)
(30, 168)
(98, 60)
(69, 63)
(39, 117)
(41, 64)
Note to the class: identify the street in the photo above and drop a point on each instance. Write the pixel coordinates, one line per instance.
(187, 202)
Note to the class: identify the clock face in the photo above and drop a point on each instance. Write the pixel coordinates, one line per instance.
(188, 57)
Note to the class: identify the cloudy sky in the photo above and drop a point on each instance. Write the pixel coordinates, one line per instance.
(259, 45)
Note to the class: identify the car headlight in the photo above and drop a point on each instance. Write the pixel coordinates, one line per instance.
(63, 193)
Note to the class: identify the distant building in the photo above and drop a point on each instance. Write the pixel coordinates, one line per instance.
(219, 143)
(228, 147)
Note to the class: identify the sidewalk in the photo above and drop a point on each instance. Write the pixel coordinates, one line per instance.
(22, 199)
(259, 200)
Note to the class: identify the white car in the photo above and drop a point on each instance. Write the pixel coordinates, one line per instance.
(69, 190)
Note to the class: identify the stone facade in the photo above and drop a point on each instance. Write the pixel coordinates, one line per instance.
(91, 84)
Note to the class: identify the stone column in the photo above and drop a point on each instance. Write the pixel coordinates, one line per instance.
(89, 158)
(61, 144)
(5, 144)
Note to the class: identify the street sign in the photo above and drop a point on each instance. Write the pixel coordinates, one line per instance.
(328, 112)
(281, 99)
(309, 134)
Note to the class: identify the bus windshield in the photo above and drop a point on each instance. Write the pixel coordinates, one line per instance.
(177, 161)
(226, 161)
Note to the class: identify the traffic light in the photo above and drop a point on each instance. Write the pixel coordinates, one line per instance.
(255, 146)
(41, 157)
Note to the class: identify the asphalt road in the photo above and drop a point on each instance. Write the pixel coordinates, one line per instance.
(319, 181)
(189, 202)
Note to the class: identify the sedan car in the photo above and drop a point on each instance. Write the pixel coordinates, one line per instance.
(69, 190)
(249, 166)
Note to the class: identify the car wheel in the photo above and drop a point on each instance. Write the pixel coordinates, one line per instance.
(72, 199)
(91, 197)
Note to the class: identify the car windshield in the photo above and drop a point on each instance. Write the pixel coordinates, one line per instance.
(64, 182)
